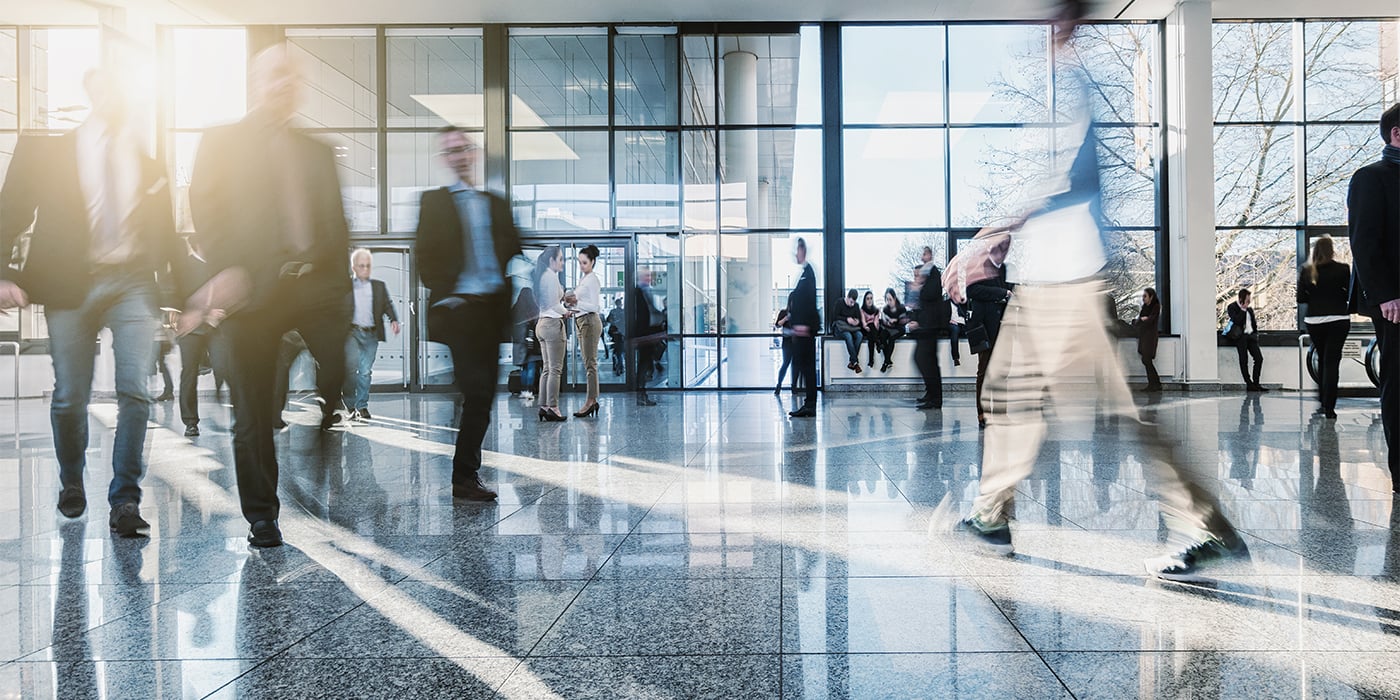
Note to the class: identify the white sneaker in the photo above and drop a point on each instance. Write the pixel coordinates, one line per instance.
(527, 396)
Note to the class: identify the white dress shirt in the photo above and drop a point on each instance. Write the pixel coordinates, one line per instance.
(590, 294)
(551, 296)
(99, 180)
(363, 315)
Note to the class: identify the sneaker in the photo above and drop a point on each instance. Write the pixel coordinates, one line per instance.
(126, 520)
(265, 533)
(1188, 564)
(72, 502)
(996, 538)
(192, 430)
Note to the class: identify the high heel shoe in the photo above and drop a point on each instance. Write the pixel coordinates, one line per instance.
(590, 411)
(551, 416)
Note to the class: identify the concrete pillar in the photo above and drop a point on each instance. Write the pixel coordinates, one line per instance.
(747, 282)
(1190, 160)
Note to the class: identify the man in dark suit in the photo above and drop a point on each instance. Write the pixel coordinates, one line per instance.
(648, 324)
(931, 316)
(465, 241)
(370, 305)
(804, 321)
(102, 231)
(266, 201)
(1373, 222)
(1241, 314)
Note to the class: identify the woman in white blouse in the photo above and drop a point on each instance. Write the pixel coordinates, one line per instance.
(587, 303)
(549, 329)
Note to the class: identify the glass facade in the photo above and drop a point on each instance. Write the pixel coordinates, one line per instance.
(1296, 105)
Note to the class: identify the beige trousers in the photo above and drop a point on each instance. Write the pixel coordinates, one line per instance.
(590, 331)
(1052, 341)
(550, 333)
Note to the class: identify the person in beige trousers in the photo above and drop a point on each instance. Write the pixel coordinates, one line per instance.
(549, 329)
(586, 302)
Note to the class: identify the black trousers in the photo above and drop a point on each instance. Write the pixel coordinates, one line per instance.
(888, 338)
(475, 350)
(1153, 379)
(804, 367)
(645, 366)
(984, 359)
(196, 350)
(926, 359)
(253, 339)
(1329, 338)
(1388, 340)
(1248, 346)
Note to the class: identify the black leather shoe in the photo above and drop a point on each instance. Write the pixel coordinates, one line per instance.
(473, 490)
(645, 401)
(72, 502)
(126, 520)
(329, 420)
(927, 405)
(804, 412)
(192, 430)
(265, 533)
(280, 424)
(363, 413)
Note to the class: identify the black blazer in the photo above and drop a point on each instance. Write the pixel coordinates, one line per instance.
(1373, 224)
(441, 252)
(987, 299)
(235, 200)
(802, 302)
(933, 313)
(1329, 294)
(380, 305)
(1236, 315)
(43, 189)
(1148, 319)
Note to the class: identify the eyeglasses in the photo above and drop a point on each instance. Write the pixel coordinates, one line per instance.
(459, 149)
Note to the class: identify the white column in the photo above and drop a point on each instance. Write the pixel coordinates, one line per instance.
(1190, 160)
(747, 283)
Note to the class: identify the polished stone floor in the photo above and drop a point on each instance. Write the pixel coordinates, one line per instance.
(704, 548)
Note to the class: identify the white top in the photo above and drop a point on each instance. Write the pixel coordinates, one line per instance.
(590, 294)
(363, 314)
(95, 140)
(551, 296)
(1325, 319)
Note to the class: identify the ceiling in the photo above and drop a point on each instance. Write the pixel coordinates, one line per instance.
(634, 11)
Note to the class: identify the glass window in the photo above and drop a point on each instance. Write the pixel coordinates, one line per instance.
(1254, 182)
(9, 79)
(435, 77)
(1121, 59)
(1131, 268)
(769, 78)
(698, 168)
(1128, 175)
(698, 80)
(1265, 261)
(558, 80)
(772, 179)
(880, 261)
(659, 265)
(701, 362)
(995, 172)
(648, 184)
(340, 77)
(356, 164)
(892, 75)
(757, 274)
(998, 73)
(413, 167)
(1252, 71)
(700, 296)
(186, 147)
(1334, 153)
(1344, 61)
(751, 363)
(210, 67)
(559, 180)
(58, 59)
(644, 84)
(895, 178)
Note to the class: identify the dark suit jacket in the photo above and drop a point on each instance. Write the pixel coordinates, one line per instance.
(933, 313)
(648, 321)
(1147, 330)
(441, 252)
(380, 305)
(802, 302)
(1373, 224)
(235, 199)
(1236, 314)
(42, 189)
(987, 300)
(1328, 295)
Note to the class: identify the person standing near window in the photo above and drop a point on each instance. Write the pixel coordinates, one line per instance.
(782, 324)
(371, 305)
(1147, 322)
(549, 329)
(931, 317)
(1323, 286)
(805, 320)
(1373, 224)
(1241, 313)
(587, 300)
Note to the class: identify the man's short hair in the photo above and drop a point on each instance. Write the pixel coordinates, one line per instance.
(1244, 292)
(1389, 120)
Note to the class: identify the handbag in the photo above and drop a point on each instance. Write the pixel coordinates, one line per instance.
(531, 342)
(1232, 332)
(977, 340)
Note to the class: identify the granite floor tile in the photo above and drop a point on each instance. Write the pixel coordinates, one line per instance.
(695, 555)
(521, 557)
(898, 676)
(1216, 674)
(647, 677)
(335, 679)
(96, 680)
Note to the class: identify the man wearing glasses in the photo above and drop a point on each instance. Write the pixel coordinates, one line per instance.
(466, 238)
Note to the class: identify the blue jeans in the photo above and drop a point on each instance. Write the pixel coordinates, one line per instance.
(360, 350)
(125, 303)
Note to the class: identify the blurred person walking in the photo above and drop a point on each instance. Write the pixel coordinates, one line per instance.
(805, 322)
(648, 326)
(929, 320)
